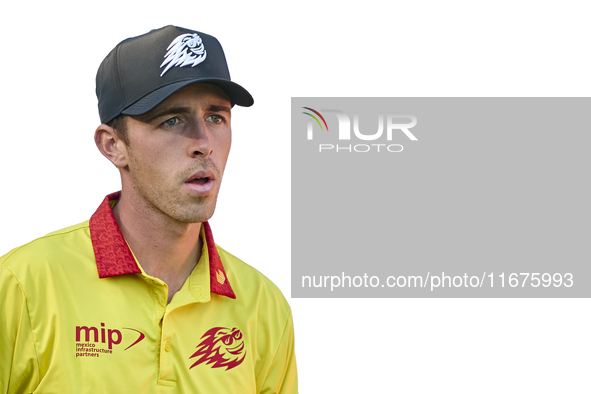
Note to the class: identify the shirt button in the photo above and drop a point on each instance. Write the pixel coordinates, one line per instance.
(167, 346)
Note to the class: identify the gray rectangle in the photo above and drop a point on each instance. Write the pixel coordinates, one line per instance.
(440, 197)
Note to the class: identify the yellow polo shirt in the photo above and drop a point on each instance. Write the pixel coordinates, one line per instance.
(79, 315)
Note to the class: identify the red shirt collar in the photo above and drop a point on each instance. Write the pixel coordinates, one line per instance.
(113, 256)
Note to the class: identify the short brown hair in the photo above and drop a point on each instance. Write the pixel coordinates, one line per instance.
(120, 126)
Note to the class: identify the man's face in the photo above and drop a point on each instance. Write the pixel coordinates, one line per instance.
(177, 153)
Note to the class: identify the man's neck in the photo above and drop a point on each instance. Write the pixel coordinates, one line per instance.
(166, 249)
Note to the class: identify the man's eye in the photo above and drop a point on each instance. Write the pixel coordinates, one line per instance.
(171, 122)
(215, 119)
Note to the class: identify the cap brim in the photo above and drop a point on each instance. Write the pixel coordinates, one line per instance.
(237, 94)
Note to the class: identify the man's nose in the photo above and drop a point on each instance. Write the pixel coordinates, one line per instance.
(200, 139)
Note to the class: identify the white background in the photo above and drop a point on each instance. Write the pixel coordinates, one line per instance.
(52, 175)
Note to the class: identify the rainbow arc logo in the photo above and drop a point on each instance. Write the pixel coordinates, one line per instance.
(315, 118)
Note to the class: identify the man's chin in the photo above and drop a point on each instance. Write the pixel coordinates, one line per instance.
(195, 216)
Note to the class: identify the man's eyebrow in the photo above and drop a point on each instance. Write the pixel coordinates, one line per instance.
(166, 111)
(182, 110)
(219, 108)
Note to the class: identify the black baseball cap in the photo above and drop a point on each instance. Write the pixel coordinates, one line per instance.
(143, 71)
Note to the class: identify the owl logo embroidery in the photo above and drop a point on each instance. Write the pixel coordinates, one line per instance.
(185, 50)
(220, 347)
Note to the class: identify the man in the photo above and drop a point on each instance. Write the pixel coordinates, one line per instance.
(139, 299)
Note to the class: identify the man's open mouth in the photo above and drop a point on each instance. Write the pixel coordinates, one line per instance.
(199, 181)
(202, 182)
(201, 177)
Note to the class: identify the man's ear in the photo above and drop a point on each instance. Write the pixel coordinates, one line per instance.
(111, 146)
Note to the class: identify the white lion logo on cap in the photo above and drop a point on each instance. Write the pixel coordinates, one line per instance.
(185, 50)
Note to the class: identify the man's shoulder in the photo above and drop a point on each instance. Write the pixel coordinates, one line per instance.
(248, 282)
(47, 247)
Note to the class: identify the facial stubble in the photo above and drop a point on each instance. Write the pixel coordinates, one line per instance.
(165, 196)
